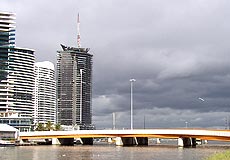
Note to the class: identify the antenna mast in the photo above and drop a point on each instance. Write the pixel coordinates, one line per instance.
(78, 32)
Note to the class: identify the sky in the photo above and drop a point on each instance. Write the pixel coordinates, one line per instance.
(177, 51)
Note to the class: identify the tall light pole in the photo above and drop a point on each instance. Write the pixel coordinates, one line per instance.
(114, 120)
(131, 102)
(186, 124)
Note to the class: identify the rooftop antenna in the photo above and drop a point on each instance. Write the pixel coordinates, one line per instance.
(78, 32)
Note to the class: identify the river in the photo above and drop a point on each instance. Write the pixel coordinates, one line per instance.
(110, 152)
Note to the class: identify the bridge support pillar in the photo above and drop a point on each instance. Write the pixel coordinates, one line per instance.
(142, 140)
(158, 141)
(111, 140)
(126, 141)
(119, 141)
(87, 141)
(180, 142)
(24, 141)
(66, 141)
(186, 142)
(55, 141)
(193, 142)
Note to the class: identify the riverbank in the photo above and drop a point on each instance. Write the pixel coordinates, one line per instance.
(220, 156)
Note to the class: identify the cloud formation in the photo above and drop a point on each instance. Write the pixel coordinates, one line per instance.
(178, 52)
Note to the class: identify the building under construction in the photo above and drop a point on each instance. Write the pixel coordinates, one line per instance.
(74, 87)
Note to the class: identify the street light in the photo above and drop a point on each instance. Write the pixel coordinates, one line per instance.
(186, 124)
(114, 120)
(131, 85)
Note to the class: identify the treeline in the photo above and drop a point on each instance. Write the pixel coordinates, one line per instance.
(48, 127)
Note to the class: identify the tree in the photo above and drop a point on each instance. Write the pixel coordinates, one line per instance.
(49, 126)
(57, 127)
(40, 127)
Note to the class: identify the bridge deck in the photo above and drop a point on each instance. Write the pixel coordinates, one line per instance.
(223, 135)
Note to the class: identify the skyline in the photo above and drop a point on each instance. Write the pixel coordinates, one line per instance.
(177, 52)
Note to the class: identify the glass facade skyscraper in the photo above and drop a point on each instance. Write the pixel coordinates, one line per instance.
(74, 87)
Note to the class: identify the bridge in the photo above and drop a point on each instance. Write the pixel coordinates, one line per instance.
(185, 136)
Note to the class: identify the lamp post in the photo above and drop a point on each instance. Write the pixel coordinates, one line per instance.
(114, 120)
(144, 121)
(131, 102)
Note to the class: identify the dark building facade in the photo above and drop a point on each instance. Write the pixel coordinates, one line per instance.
(74, 87)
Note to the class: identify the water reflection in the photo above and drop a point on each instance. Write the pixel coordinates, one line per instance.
(74, 152)
(42, 152)
(108, 152)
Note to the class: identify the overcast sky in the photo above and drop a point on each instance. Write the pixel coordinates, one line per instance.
(177, 50)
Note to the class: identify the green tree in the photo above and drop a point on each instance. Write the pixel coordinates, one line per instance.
(57, 127)
(49, 126)
(40, 127)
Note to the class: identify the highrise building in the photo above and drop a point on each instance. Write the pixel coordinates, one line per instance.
(7, 41)
(16, 77)
(21, 74)
(74, 86)
(45, 93)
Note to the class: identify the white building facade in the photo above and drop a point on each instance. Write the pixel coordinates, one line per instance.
(7, 41)
(16, 77)
(45, 93)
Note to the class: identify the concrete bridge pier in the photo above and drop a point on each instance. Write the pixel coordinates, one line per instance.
(193, 142)
(205, 141)
(158, 141)
(187, 142)
(24, 141)
(110, 140)
(180, 142)
(125, 141)
(65, 141)
(131, 141)
(55, 141)
(142, 141)
(87, 141)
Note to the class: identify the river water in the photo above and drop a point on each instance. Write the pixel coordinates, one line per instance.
(110, 152)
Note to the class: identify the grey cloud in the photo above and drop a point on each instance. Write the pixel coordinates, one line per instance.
(177, 51)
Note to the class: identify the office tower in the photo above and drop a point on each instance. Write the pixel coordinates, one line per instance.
(74, 86)
(44, 93)
(17, 77)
